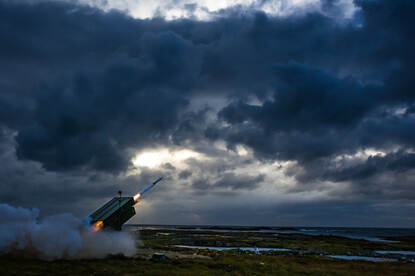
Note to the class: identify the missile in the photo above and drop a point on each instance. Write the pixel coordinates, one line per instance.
(140, 194)
(117, 211)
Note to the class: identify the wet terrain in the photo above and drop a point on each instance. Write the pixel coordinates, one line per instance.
(247, 251)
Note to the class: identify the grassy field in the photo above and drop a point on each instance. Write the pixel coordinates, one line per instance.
(305, 243)
(306, 258)
(220, 265)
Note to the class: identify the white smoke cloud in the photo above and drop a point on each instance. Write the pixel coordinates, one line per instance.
(58, 236)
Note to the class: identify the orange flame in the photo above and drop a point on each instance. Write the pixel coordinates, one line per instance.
(137, 197)
(97, 225)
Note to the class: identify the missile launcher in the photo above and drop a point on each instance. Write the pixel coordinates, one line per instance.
(117, 211)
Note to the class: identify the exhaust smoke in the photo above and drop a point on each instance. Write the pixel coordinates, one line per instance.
(61, 236)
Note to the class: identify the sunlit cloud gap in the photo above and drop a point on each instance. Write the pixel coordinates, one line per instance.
(158, 157)
(209, 9)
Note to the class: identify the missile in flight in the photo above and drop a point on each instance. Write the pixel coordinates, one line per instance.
(143, 191)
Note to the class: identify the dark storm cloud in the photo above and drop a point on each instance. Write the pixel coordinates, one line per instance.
(97, 117)
(130, 79)
(89, 117)
(185, 174)
(314, 115)
(318, 109)
(229, 181)
(394, 162)
(307, 100)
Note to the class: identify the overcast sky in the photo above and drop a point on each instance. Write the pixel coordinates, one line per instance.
(256, 112)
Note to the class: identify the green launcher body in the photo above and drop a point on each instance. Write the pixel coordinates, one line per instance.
(115, 212)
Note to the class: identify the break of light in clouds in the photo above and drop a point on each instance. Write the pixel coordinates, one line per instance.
(209, 9)
(153, 158)
(255, 112)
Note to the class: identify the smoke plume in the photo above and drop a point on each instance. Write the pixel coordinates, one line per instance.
(61, 236)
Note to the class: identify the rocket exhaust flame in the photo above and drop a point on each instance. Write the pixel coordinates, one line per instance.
(137, 197)
(97, 225)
